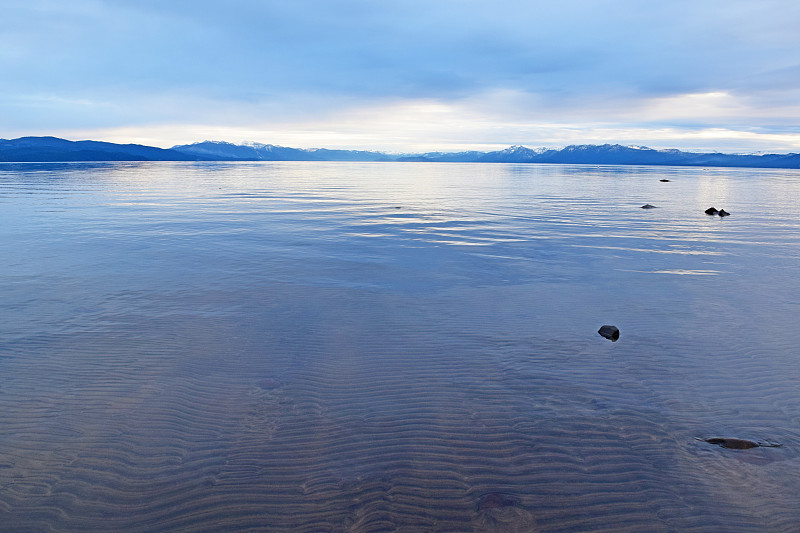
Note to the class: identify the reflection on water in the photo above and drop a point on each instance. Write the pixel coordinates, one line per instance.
(379, 346)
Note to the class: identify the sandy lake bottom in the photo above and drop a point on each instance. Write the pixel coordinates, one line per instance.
(397, 347)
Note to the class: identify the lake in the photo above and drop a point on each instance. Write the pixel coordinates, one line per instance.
(397, 347)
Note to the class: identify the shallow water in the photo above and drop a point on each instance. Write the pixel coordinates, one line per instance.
(388, 346)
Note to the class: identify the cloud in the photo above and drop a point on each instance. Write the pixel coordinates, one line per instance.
(478, 123)
(263, 65)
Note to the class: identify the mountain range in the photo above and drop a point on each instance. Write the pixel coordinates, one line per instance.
(52, 149)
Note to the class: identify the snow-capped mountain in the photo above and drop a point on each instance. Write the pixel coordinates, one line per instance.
(55, 149)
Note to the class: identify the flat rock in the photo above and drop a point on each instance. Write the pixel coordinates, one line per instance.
(648, 206)
(609, 332)
(664, 180)
(738, 444)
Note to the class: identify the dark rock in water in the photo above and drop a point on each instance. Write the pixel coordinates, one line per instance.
(496, 500)
(609, 332)
(648, 206)
(664, 180)
(738, 444)
(711, 211)
(723, 213)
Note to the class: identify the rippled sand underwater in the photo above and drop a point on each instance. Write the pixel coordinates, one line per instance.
(397, 347)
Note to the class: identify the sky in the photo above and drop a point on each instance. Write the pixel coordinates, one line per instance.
(405, 75)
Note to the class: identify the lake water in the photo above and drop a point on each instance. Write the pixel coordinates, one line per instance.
(397, 347)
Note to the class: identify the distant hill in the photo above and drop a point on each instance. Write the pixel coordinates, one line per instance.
(32, 149)
(49, 149)
(268, 152)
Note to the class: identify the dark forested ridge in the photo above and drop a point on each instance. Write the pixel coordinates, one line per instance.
(49, 149)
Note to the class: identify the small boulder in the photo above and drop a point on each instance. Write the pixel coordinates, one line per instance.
(609, 332)
(648, 206)
(711, 211)
(723, 213)
(664, 180)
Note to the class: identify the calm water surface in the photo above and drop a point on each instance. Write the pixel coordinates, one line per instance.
(397, 347)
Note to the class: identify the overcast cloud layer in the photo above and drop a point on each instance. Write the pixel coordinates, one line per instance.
(405, 75)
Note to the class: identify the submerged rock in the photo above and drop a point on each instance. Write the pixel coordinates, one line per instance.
(496, 500)
(723, 213)
(502, 512)
(648, 206)
(738, 444)
(711, 211)
(609, 332)
(269, 383)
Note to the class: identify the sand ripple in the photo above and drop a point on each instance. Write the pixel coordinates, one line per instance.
(263, 349)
